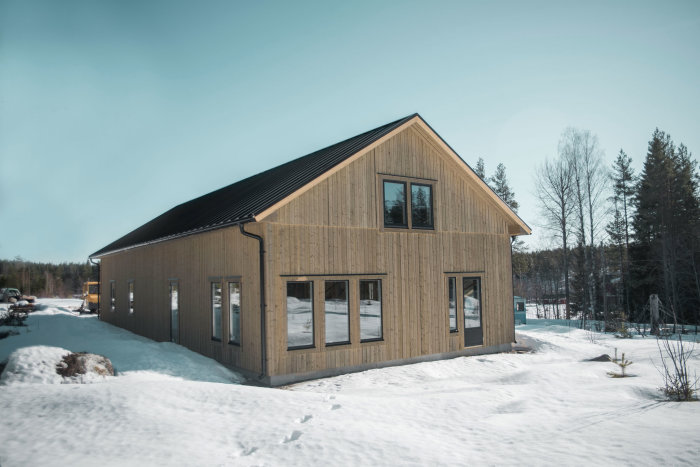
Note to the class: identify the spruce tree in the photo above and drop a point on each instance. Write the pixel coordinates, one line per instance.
(480, 168)
(499, 183)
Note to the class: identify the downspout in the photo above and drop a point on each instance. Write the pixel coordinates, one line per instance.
(262, 298)
(512, 284)
(99, 286)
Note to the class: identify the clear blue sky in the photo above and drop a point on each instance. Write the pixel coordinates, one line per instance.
(112, 112)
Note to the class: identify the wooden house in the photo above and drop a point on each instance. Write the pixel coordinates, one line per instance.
(382, 249)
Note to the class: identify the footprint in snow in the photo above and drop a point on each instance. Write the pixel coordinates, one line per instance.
(304, 419)
(293, 436)
(335, 406)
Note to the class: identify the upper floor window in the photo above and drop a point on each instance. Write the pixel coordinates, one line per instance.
(397, 205)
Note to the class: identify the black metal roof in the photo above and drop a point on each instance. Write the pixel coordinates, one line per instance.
(243, 200)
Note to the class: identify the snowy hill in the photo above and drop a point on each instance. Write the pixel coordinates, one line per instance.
(170, 406)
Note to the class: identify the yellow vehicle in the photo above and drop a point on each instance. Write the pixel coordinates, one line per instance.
(91, 293)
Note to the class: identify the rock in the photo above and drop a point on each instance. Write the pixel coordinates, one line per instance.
(602, 358)
(81, 364)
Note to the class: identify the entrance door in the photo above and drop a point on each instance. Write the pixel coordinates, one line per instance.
(473, 331)
(174, 313)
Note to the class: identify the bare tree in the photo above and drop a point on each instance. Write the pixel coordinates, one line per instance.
(554, 184)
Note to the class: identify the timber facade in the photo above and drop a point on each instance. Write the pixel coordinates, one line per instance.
(392, 251)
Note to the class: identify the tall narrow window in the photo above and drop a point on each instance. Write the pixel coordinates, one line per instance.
(300, 315)
(112, 296)
(370, 310)
(421, 206)
(216, 311)
(395, 204)
(452, 302)
(234, 312)
(174, 313)
(131, 297)
(337, 315)
(472, 303)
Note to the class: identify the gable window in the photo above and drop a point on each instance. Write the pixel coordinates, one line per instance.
(112, 296)
(421, 206)
(337, 312)
(234, 312)
(300, 315)
(216, 311)
(395, 204)
(408, 204)
(370, 310)
(452, 302)
(131, 297)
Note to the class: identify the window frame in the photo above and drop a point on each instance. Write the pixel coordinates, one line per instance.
(381, 178)
(406, 204)
(221, 311)
(452, 280)
(176, 283)
(130, 293)
(381, 309)
(113, 296)
(432, 212)
(313, 312)
(349, 314)
(230, 314)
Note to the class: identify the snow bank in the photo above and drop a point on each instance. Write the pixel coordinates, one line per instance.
(167, 407)
(34, 365)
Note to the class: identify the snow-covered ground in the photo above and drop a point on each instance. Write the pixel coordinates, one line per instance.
(168, 405)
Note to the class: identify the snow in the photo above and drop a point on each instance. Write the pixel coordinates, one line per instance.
(169, 406)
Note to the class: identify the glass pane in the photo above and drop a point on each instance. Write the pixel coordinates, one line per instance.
(216, 310)
(300, 315)
(337, 312)
(370, 309)
(234, 300)
(421, 205)
(472, 303)
(174, 310)
(395, 204)
(93, 289)
(113, 296)
(131, 297)
(452, 300)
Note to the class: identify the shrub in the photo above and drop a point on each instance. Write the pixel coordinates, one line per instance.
(678, 384)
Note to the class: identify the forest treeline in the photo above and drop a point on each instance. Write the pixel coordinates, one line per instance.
(45, 279)
(616, 237)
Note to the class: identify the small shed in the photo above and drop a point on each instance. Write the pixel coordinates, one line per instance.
(519, 310)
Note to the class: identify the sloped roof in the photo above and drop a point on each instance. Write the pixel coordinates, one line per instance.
(242, 201)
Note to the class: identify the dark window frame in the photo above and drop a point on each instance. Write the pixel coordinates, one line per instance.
(313, 320)
(176, 283)
(349, 309)
(381, 309)
(211, 308)
(406, 204)
(452, 280)
(130, 293)
(479, 280)
(432, 211)
(113, 296)
(240, 306)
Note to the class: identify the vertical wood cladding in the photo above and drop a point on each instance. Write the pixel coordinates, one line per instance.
(334, 231)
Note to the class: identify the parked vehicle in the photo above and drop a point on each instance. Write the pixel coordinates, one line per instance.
(91, 293)
(9, 295)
